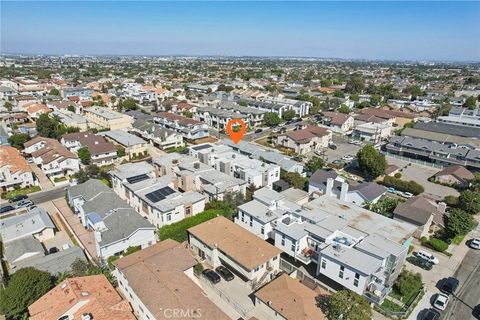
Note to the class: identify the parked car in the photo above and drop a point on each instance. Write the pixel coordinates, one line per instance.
(332, 146)
(211, 275)
(474, 244)
(427, 256)
(23, 204)
(297, 159)
(421, 263)
(391, 190)
(258, 130)
(53, 250)
(347, 158)
(18, 198)
(408, 195)
(6, 209)
(450, 286)
(431, 314)
(225, 273)
(441, 301)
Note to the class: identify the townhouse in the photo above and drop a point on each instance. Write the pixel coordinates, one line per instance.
(224, 159)
(103, 118)
(269, 156)
(134, 146)
(219, 118)
(338, 122)
(52, 157)
(189, 129)
(14, 170)
(159, 283)
(308, 139)
(89, 297)
(157, 135)
(301, 108)
(101, 152)
(71, 119)
(441, 154)
(115, 225)
(82, 93)
(221, 242)
(331, 184)
(254, 117)
(266, 106)
(462, 117)
(358, 249)
(191, 174)
(155, 198)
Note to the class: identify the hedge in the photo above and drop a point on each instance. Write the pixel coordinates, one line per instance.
(434, 243)
(402, 185)
(178, 230)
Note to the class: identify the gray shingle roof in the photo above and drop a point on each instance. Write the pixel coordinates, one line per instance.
(36, 220)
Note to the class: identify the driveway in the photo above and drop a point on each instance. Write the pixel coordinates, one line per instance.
(420, 174)
(45, 183)
(343, 149)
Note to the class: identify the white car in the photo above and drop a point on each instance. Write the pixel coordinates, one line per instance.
(427, 256)
(347, 158)
(408, 195)
(441, 301)
(475, 244)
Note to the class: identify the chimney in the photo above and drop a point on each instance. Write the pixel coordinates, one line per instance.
(328, 188)
(442, 206)
(343, 191)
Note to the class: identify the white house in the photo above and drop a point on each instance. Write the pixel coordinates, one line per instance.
(14, 169)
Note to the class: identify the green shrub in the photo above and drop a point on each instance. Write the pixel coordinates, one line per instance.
(438, 244)
(397, 175)
(198, 268)
(402, 185)
(452, 201)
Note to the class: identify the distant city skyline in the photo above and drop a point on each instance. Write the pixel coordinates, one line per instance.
(446, 31)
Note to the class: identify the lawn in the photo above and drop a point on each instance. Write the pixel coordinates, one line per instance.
(391, 306)
(14, 193)
(178, 230)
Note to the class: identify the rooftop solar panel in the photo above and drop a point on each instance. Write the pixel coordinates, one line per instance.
(203, 146)
(159, 194)
(136, 179)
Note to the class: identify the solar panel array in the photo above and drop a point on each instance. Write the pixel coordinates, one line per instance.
(203, 146)
(136, 179)
(159, 194)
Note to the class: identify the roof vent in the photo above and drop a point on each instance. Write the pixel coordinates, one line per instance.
(84, 294)
(87, 316)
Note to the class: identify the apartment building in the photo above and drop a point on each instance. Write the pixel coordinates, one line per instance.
(191, 174)
(103, 118)
(71, 119)
(116, 226)
(221, 242)
(309, 139)
(101, 152)
(443, 155)
(52, 157)
(155, 198)
(269, 156)
(159, 281)
(254, 117)
(224, 159)
(301, 108)
(133, 145)
(462, 117)
(14, 170)
(89, 297)
(190, 129)
(219, 118)
(82, 93)
(157, 135)
(358, 249)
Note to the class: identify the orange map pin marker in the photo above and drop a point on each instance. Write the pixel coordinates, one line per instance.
(237, 134)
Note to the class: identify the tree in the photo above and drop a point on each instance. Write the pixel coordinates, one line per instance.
(371, 161)
(288, 115)
(84, 155)
(120, 151)
(23, 288)
(339, 94)
(17, 140)
(469, 201)
(8, 105)
(346, 304)
(325, 83)
(129, 103)
(459, 222)
(54, 92)
(46, 126)
(408, 283)
(271, 119)
(355, 85)
(294, 179)
(344, 109)
(71, 108)
(242, 103)
(414, 90)
(385, 206)
(139, 80)
(314, 164)
(471, 103)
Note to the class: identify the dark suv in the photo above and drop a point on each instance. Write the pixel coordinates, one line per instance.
(18, 198)
(225, 273)
(211, 275)
(450, 286)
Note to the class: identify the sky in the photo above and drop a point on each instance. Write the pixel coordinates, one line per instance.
(351, 30)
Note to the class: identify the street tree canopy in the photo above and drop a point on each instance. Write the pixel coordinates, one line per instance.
(371, 161)
(459, 222)
(355, 85)
(271, 119)
(288, 115)
(346, 304)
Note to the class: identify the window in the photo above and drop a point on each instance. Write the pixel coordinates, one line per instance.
(169, 217)
(340, 273)
(188, 210)
(294, 247)
(356, 280)
(324, 264)
(263, 230)
(251, 221)
(283, 240)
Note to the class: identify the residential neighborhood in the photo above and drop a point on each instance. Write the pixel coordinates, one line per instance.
(169, 171)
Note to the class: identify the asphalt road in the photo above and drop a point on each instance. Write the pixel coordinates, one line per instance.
(42, 196)
(468, 296)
